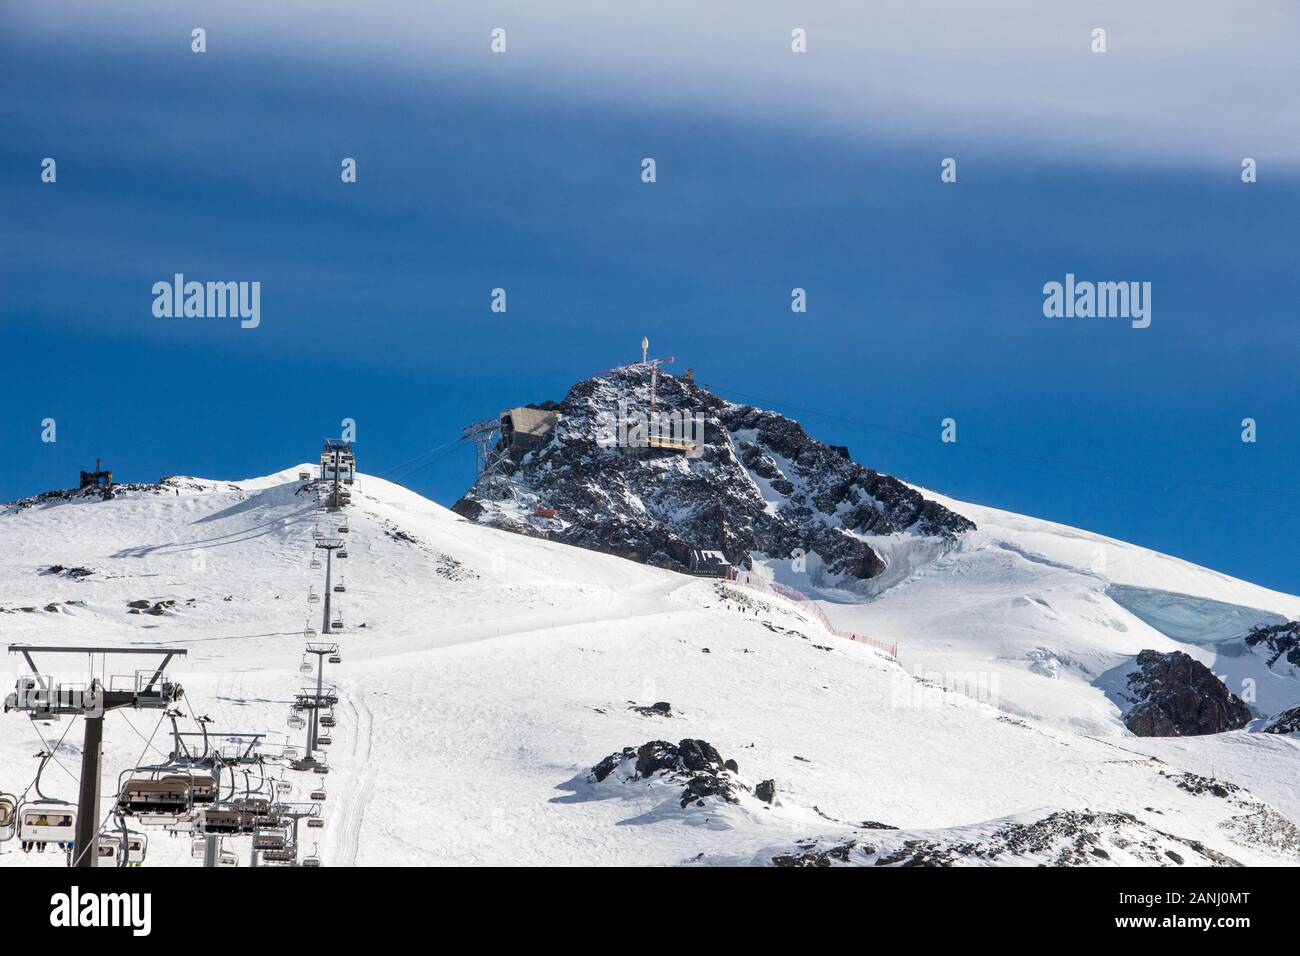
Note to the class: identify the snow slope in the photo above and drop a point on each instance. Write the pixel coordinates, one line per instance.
(494, 670)
(1052, 616)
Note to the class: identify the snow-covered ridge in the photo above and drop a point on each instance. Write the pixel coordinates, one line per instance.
(486, 673)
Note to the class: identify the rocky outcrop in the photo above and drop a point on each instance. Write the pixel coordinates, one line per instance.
(755, 484)
(695, 763)
(1287, 722)
(1175, 695)
(1280, 642)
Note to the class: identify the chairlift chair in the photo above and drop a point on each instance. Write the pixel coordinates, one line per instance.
(305, 666)
(290, 752)
(312, 597)
(328, 720)
(155, 796)
(319, 793)
(203, 789)
(312, 860)
(309, 633)
(296, 722)
(270, 839)
(315, 823)
(8, 816)
(324, 740)
(343, 552)
(284, 788)
(41, 822)
(340, 589)
(321, 769)
(314, 564)
(343, 528)
(336, 659)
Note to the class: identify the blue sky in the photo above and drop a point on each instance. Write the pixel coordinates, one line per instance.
(924, 299)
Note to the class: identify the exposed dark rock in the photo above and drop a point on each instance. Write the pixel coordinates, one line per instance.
(766, 790)
(1287, 722)
(1279, 641)
(1198, 785)
(659, 708)
(1064, 838)
(811, 856)
(695, 763)
(76, 573)
(1175, 695)
(657, 506)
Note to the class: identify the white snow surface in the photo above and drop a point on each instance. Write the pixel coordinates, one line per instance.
(494, 670)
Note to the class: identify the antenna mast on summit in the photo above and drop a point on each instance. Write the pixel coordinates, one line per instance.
(654, 370)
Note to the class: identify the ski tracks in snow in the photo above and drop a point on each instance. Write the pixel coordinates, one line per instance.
(353, 811)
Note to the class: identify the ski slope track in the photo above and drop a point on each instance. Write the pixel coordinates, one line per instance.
(486, 673)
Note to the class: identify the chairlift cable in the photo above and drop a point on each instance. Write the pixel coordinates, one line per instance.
(429, 451)
(53, 751)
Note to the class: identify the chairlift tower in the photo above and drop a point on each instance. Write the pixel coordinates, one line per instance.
(329, 546)
(484, 435)
(38, 696)
(322, 699)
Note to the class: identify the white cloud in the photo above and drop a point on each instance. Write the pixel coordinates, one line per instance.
(1184, 82)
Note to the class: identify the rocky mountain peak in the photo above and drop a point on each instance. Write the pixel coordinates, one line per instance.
(657, 477)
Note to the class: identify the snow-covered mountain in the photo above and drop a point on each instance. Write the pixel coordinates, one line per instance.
(698, 473)
(498, 691)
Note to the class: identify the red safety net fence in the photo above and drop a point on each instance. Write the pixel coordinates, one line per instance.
(808, 606)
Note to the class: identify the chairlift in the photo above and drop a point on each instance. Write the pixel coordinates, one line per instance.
(343, 552)
(8, 816)
(305, 666)
(227, 858)
(321, 769)
(336, 659)
(312, 597)
(317, 533)
(275, 839)
(41, 822)
(340, 589)
(324, 740)
(287, 855)
(328, 720)
(155, 796)
(314, 564)
(312, 860)
(315, 823)
(110, 848)
(309, 633)
(319, 794)
(296, 722)
(290, 752)
(199, 848)
(336, 625)
(343, 528)
(284, 788)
